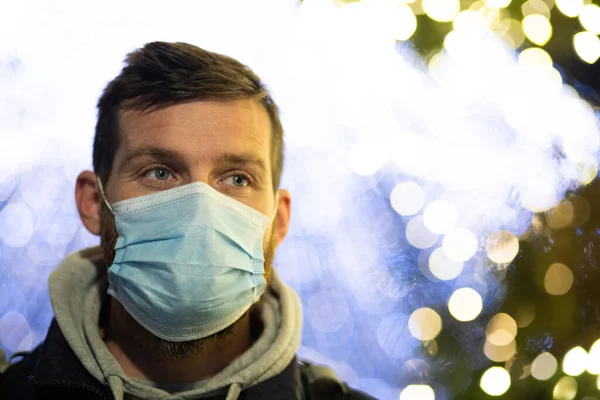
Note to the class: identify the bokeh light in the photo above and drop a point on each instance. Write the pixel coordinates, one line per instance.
(501, 330)
(590, 18)
(424, 324)
(418, 235)
(593, 366)
(405, 22)
(440, 216)
(16, 221)
(465, 304)
(442, 267)
(575, 361)
(570, 8)
(558, 279)
(441, 10)
(534, 57)
(560, 216)
(587, 46)
(537, 29)
(417, 392)
(565, 388)
(502, 247)
(499, 353)
(544, 366)
(495, 381)
(407, 198)
(535, 7)
(459, 244)
(582, 210)
(498, 3)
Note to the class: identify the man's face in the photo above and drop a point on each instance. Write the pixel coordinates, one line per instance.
(225, 144)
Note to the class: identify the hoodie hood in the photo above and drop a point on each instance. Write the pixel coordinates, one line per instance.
(77, 288)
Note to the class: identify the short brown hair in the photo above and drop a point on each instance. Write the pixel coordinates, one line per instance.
(161, 74)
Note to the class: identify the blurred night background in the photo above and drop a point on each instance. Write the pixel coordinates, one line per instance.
(442, 157)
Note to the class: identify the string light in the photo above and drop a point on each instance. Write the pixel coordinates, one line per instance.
(425, 324)
(565, 389)
(537, 29)
(570, 8)
(587, 46)
(590, 18)
(502, 247)
(417, 392)
(495, 381)
(405, 22)
(558, 279)
(441, 10)
(575, 361)
(544, 366)
(465, 304)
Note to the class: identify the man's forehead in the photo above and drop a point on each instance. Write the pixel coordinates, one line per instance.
(238, 126)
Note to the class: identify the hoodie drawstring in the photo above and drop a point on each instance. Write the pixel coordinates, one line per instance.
(234, 391)
(116, 386)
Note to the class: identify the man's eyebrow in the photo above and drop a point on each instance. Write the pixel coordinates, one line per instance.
(154, 152)
(223, 159)
(242, 160)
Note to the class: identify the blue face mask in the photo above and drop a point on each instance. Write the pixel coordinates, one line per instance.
(189, 261)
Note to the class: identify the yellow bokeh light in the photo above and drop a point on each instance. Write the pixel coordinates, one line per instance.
(558, 279)
(495, 381)
(405, 22)
(441, 10)
(588, 170)
(442, 267)
(502, 247)
(417, 392)
(501, 330)
(499, 353)
(465, 304)
(534, 57)
(537, 29)
(544, 366)
(571, 8)
(424, 324)
(587, 46)
(582, 210)
(511, 31)
(593, 366)
(459, 244)
(470, 21)
(535, 7)
(565, 389)
(575, 361)
(590, 18)
(498, 3)
(598, 383)
(561, 215)
(525, 315)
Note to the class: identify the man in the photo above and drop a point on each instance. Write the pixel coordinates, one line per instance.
(180, 300)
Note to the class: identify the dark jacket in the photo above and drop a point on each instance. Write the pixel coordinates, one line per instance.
(52, 371)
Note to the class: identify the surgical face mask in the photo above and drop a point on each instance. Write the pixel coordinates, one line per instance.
(189, 261)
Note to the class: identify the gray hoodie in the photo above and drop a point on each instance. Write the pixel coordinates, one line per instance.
(77, 288)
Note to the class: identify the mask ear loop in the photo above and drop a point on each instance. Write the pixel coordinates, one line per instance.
(103, 196)
(276, 209)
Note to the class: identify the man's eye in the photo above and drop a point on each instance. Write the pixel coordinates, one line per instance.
(160, 174)
(239, 180)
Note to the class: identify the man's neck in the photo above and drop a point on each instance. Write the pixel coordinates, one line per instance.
(135, 349)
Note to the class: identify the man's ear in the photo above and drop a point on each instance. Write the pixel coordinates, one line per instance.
(88, 201)
(283, 216)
